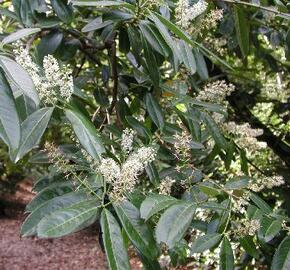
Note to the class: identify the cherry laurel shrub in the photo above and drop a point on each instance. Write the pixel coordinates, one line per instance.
(131, 113)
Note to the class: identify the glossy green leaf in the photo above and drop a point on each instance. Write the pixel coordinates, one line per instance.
(20, 78)
(9, 119)
(63, 10)
(20, 34)
(54, 190)
(74, 198)
(116, 252)
(154, 110)
(96, 24)
(154, 203)
(173, 223)
(140, 128)
(154, 38)
(137, 231)
(205, 242)
(68, 220)
(269, 228)
(32, 130)
(86, 133)
(249, 246)
(227, 261)
(281, 259)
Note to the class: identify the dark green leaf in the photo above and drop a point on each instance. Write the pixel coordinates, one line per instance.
(173, 223)
(154, 110)
(227, 261)
(242, 29)
(113, 241)
(214, 130)
(74, 198)
(269, 228)
(205, 242)
(281, 260)
(63, 10)
(249, 246)
(136, 229)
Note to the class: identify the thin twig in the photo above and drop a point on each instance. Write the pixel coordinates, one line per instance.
(269, 9)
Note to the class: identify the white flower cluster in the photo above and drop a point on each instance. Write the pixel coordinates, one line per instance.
(247, 227)
(56, 82)
(215, 92)
(185, 13)
(57, 158)
(166, 185)
(212, 19)
(124, 178)
(240, 203)
(127, 140)
(182, 145)
(246, 136)
(268, 182)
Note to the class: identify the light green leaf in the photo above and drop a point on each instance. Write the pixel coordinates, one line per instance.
(68, 220)
(86, 133)
(98, 3)
(20, 78)
(32, 130)
(9, 119)
(20, 34)
(187, 56)
(113, 241)
(239, 182)
(155, 203)
(173, 223)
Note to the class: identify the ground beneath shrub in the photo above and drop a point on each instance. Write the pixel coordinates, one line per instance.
(79, 251)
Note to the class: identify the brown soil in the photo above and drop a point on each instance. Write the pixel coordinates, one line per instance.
(79, 251)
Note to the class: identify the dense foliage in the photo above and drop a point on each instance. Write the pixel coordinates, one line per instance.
(166, 121)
